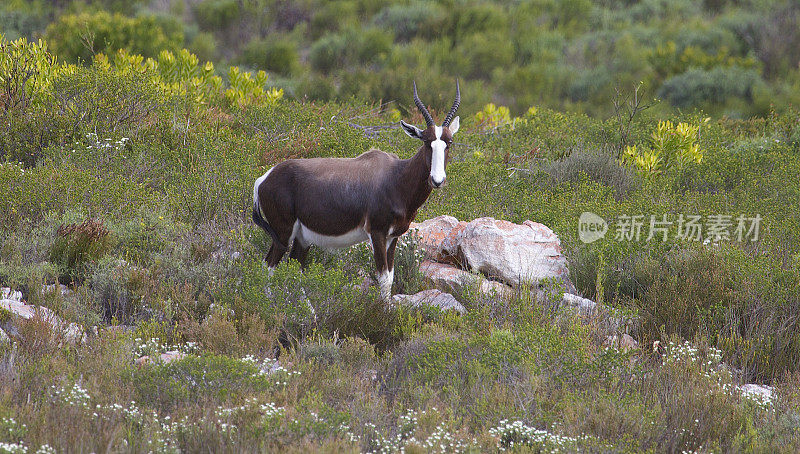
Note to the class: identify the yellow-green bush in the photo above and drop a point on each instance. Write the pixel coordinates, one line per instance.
(77, 37)
(670, 146)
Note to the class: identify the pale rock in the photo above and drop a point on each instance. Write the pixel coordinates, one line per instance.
(21, 311)
(432, 232)
(51, 288)
(451, 279)
(510, 252)
(624, 342)
(8, 294)
(433, 297)
(584, 305)
(4, 339)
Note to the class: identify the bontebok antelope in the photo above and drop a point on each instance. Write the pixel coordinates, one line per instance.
(338, 202)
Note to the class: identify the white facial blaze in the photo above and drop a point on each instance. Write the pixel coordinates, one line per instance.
(437, 158)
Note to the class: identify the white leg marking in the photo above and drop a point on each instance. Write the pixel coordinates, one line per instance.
(385, 283)
(437, 158)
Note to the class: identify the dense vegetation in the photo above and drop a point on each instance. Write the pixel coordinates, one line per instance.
(729, 57)
(131, 181)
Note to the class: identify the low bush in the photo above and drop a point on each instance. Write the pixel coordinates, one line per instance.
(197, 380)
(274, 54)
(216, 14)
(410, 21)
(327, 53)
(78, 247)
(598, 166)
(741, 304)
(699, 87)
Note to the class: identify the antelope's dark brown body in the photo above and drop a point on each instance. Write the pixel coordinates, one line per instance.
(338, 202)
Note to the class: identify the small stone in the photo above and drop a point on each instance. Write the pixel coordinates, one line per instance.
(433, 297)
(4, 339)
(51, 288)
(585, 305)
(142, 360)
(170, 356)
(165, 358)
(8, 294)
(624, 342)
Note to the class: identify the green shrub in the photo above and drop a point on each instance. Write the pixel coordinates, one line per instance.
(714, 295)
(372, 45)
(481, 53)
(246, 89)
(22, 19)
(316, 88)
(107, 33)
(204, 45)
(476, 18)
(111, 292)
(698, 87)
(214, 15)
(412, 20)
(327, 53)
(179, 73)
(596, 165)
(333, 17)
(197, 380)
(97, 101)
(272, 54)
(26, 69)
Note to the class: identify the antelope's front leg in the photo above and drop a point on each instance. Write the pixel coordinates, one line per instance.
(385, 276)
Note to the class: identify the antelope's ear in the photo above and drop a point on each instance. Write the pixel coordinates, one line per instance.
(454, 126)
(411, 130)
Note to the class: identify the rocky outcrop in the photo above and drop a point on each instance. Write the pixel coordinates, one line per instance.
(504, 252)
(20, 312)
(432, 232)
(451, 279)
(509, 252)
(433, 297)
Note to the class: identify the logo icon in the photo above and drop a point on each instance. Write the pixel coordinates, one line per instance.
(591, 227)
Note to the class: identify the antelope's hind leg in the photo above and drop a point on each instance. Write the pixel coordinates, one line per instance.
(276, 253)
(385, 276)
(280, 242)
(299, 252)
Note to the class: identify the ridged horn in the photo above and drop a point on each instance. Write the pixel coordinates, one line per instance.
(453, 109)
(422, 108)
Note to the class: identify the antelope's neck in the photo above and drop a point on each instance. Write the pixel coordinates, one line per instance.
(414, 180)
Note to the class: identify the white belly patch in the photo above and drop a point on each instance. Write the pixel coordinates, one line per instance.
(348, 239)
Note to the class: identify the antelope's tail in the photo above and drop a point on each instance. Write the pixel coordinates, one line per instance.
(258, 218)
